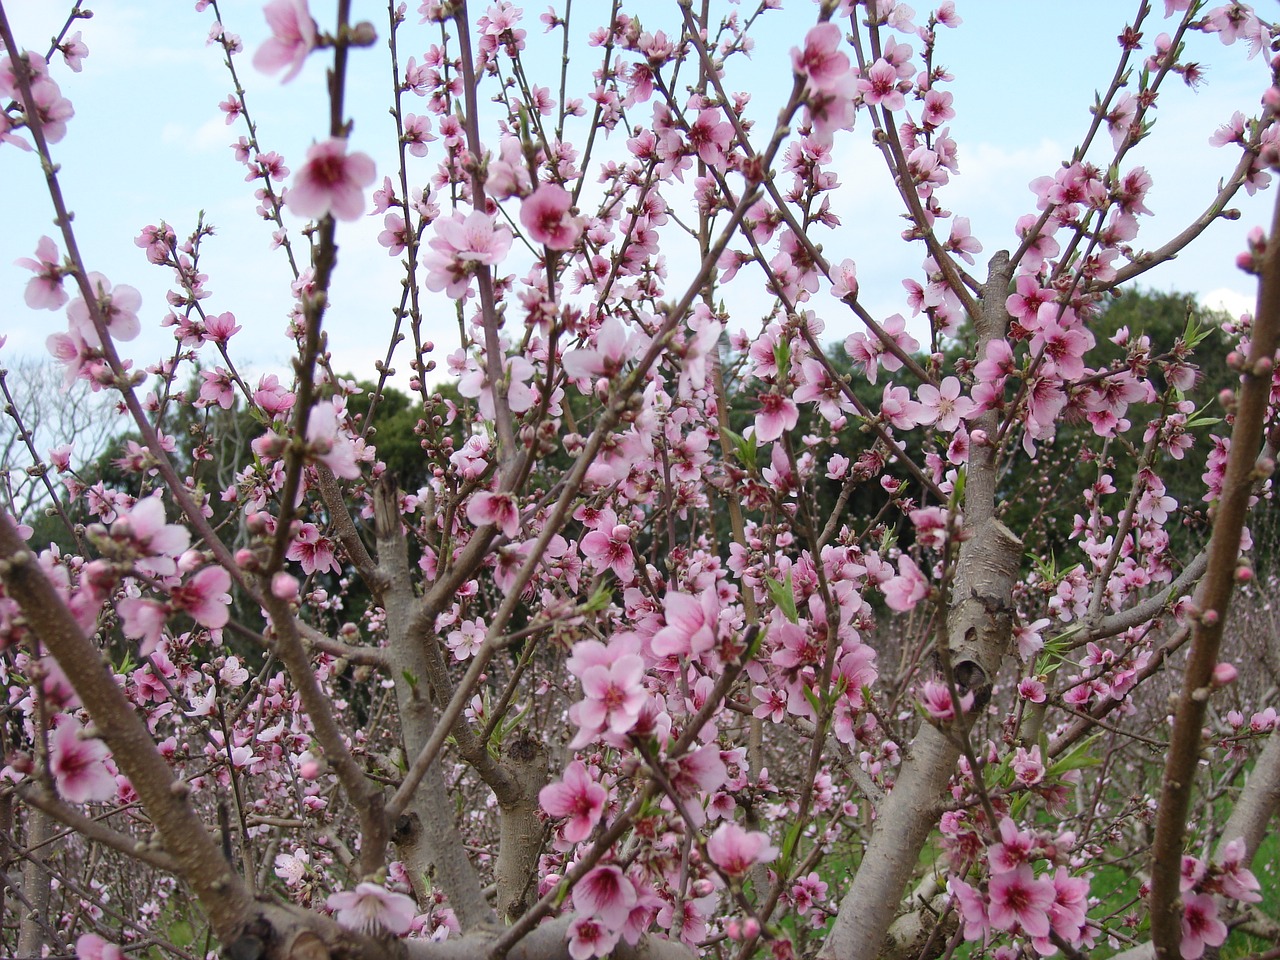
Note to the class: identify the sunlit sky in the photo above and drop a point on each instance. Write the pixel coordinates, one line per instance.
(149, 143)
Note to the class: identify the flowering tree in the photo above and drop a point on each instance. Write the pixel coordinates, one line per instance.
(630, 672)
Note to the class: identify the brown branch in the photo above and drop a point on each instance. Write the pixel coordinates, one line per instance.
(1212, 601)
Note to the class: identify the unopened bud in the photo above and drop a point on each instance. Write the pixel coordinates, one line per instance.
(1224, 673)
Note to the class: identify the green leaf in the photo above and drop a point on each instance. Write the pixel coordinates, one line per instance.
(1077, 759)
(783, 596)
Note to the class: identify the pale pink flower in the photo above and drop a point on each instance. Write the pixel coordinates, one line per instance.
(880, 86)
(460, 244)
(821, 62)
(608, 547)
(44, 290)
(943, 405)
(90, 946)
(1028, 768)
(614, 696)
(331, 181)
(589, 937)
(778, 413)
(1236, 880)
(735, 850)
(370, 907)
(142, 620)
(73, 51)
(973, 909)
(329, 443)
(204, 597)
(78, 764)
(293, 37)
(577, 797)
(606, 894)
(313, 551)
(119, 307)
(908, 588)
(498, 509)
(1013, 850)
(1200, 925)
(1020, 899)
(691, 624)
(546, 215)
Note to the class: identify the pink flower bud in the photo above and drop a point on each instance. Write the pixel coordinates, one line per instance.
(1224, 673)
(284, 586)
(309, 769)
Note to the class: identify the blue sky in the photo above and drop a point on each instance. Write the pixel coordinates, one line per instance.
(149, 143)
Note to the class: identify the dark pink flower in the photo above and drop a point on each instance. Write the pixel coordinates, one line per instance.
(577, 797)
(1020, 899)
(605, 894)
(331, 181)
(293, 37)
(90, 946)
(78, 764)
(735, 851)
(204, 597)
(1200, 925)
(545, 214)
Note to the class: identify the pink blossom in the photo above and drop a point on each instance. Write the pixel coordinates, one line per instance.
(329, 443)
(908, 588)
(44, 290)
(293, 37)
(204, 597)
(589, 937)
(90, 946)
(605, 894)
(577, 797)
(498, 509)
(691, 624)
(1236, 880)
(735, 850)
(73, 51)
(935, 697)
(880, 86)
(1028, 768)
(1200, 925)
(614, 695)
(1021, 900)
(821, 62)
(608, 547)
(973, 909)
(460, 244)
(778, 413)
(331, 181)
(943, 405)
(118, 306)
(313, 551)
(546, 215)
(78, 764)
(371, 908)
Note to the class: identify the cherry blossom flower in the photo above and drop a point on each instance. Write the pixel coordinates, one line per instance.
(1235, 879)
(78, 764)
(735, 850)
(329, 443)
(691, 624)
(614, 696)
(778, 413)
(90, 946)
(119, 308)
(608, 547)
(461, 243)
(578, 797)
(908, 588)
(293, 37)
(1200, 925)
(1020, 900)
(545, 214)
(498, 509)
(204, 597)
(821, 62)
(605, 894)
(935, 697)
(331, 181)
(589, 937)
(943, 405)
(370, 908)
(44, 290)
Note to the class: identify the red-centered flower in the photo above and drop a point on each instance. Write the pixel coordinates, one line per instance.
(577, 797)
(331, 181)
(545, 214)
